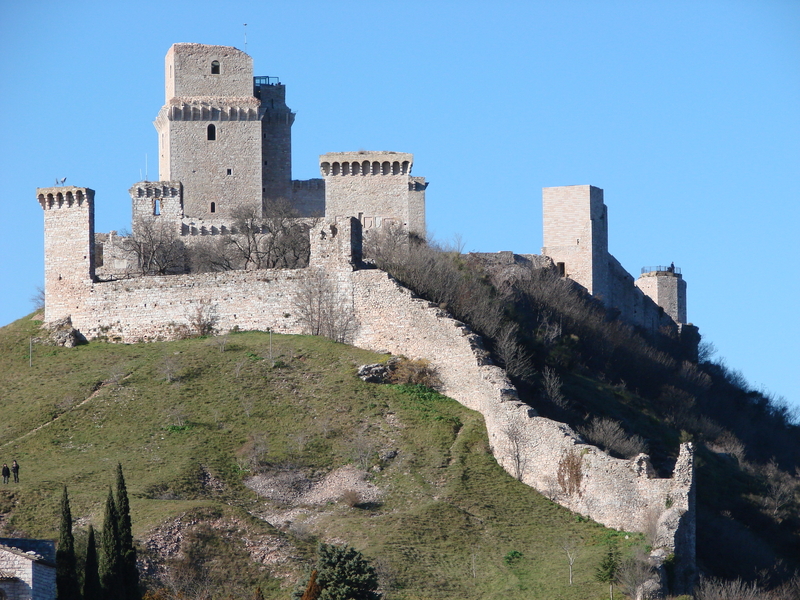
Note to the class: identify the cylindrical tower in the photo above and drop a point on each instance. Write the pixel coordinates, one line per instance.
(666, 287)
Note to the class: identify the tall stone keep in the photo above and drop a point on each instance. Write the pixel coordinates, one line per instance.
(575, 221)
(68, 247)
(375, 187)
(209, 130)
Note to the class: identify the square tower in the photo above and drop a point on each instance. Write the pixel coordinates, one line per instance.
(375, 187)
(209, 130)
(575, 221)
(68, 248)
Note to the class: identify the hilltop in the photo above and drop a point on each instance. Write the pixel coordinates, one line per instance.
(399, 472)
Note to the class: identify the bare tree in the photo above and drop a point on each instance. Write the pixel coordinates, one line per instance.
(518, 444)
(260, 239)
(552, 387)
(37, 299)
(324, 309)
(572, 551)
(214, 253)
(609, 435)
(780, 490)
(515, 358)
(203, 318)
(718, 589)
(157, 246)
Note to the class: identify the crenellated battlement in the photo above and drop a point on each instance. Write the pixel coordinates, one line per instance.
(64, 197)
(365, 163)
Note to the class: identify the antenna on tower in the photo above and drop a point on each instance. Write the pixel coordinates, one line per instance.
(145, 166)
(245, 38)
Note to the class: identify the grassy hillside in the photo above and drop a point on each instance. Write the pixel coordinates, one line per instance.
(191, 421)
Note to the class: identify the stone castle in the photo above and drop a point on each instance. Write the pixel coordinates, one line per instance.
(224, 141)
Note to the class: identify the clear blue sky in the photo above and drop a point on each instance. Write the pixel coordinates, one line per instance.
(687, 114)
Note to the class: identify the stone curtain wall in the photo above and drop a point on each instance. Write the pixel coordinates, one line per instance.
(158, 308)
(544, 454)
(547, 455)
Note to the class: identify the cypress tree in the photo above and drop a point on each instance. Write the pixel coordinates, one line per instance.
(92, 589)
(66, 566)
(129, 574)
(110, 559)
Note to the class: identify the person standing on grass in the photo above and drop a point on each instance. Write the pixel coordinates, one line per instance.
(6, 473)
(15, 470)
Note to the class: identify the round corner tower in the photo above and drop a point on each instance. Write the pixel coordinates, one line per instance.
(667, 288)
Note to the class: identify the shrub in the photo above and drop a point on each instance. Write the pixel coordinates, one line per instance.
(351, 498)
(414, 372)
(611, 437)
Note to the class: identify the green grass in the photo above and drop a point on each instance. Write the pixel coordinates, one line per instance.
(174, 413)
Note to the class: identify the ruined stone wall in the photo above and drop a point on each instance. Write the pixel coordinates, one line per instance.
(375, 187)
(547, 455)
(163, 307)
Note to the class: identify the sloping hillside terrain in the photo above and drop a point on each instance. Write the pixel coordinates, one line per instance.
(627, 391)
(241, 452)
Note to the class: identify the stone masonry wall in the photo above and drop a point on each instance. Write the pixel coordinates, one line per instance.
(33, 578)
(575, 220)
(623, 494)
(14, 565)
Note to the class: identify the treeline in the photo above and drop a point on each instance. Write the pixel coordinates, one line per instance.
(109, 573)
(552, 337)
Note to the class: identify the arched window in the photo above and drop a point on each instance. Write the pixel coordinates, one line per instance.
(213, 207)
(215, 67)
(156, 207)
(212, 132)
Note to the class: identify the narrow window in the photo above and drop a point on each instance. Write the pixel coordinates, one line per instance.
(212, 132)
(213, 207)
(561, 269)
(215, 67)
(230, 171)
(156, 207)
